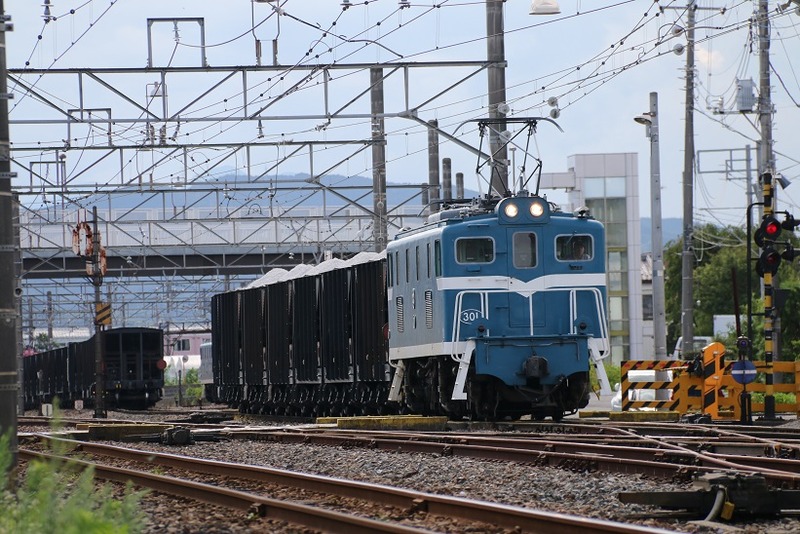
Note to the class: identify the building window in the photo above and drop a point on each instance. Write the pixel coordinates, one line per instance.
(180, 345)
(617, 313)
(647, 307)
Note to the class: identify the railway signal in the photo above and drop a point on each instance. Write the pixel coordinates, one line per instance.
(768, 262)
(766, 237)
(768, 232)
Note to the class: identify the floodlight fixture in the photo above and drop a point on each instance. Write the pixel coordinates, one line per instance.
(545, 7)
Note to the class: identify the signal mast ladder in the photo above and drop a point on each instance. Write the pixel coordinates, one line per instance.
(705, 385)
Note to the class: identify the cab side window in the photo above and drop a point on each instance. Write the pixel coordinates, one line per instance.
(574, 247)
(475, 250)
(524, 250)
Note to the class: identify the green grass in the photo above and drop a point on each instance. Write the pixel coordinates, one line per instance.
(58, 498)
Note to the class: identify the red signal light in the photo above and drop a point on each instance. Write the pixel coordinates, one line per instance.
(772, 229)
(769, 230)
(768, 262)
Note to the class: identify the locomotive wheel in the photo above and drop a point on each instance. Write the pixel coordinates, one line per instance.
(484, 400)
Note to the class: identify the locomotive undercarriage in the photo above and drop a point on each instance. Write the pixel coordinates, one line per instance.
(428, 386)
(337, 399)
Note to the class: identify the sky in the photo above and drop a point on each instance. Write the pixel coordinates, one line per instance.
(600, 60)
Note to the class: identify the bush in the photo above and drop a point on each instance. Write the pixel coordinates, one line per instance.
(612, 371)
(780, 398)
(58, 498)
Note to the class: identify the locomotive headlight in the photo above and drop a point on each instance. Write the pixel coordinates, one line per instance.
(511, 210)
(537, 209)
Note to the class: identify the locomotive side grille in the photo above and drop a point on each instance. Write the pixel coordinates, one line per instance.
(429, 308)
(401, 321)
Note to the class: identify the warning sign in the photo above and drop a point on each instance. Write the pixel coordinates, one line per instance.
(103, 313)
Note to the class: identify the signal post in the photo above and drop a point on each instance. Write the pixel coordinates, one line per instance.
(766, 237)
(86, 243)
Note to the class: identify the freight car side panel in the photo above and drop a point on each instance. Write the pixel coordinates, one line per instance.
(253, 336)
(277, 320)
(228, 315)
(369, 318)
(305, 330)
(336, 326)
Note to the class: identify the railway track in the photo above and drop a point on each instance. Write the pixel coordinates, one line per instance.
(672, 453)
(217, 490)
(619, 450)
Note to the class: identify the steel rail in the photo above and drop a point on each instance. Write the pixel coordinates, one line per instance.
(666, 461)
(325, 520)
(512, 517)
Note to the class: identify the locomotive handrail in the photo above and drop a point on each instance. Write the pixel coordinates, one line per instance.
(484, 293)
(599, 306)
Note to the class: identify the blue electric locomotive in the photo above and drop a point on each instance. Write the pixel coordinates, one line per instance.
(497, 309)
(493, 309)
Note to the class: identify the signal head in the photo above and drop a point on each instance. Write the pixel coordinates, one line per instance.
(769, 231)
(768, 262)
(790, 253)
(789, 223)
(743, 343)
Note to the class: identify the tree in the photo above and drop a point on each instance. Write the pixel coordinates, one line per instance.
(43, 342)
(720, 268)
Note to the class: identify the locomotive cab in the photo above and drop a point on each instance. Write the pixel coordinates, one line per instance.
(510, 320)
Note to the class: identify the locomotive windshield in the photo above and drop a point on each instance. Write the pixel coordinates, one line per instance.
(524, 250)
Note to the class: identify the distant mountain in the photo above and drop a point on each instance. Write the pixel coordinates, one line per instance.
(671, 229)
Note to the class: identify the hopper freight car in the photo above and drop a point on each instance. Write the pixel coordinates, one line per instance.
(133, 360)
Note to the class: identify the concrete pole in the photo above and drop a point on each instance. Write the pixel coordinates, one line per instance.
(495, 54)
(18, 329)
(687, 254)
(378, 159)
(50, 315)
(767, 165)
(447, 180)
(433, 166)
(99, 366)
(459, 185)
(659, 317)
(8, 302)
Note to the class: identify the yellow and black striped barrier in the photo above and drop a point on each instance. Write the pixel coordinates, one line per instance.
(707, 386)
(628, 385)
(692, 388)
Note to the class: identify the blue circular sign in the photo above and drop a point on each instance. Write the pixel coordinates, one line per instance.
(743, 371)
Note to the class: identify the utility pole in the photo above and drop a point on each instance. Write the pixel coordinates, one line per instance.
(433, 166)
(8, 302)
(99, 367)
(687, 253)
(650, 120)
(378, 159)
(495, 43)
(766, 172)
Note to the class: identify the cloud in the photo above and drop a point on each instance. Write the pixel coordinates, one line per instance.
(707, 59)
